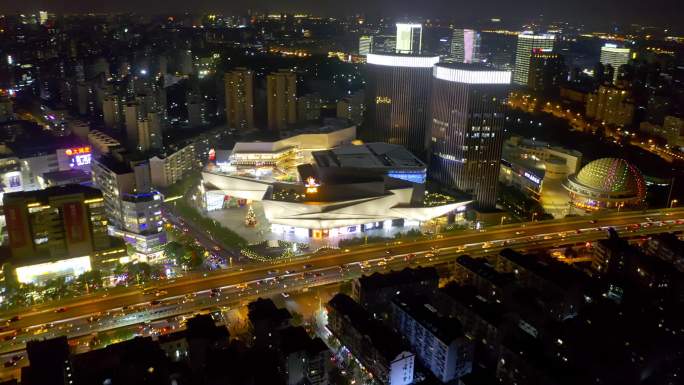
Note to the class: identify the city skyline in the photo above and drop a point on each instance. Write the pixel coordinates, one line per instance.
(660, 13)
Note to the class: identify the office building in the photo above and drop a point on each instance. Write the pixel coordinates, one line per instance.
(615, 57)
(56, 232)
(547, 73)
(132, 206)
(239, 89)
(465, 46)
(467, 128)
(439, 341)
(409, 39)
(375, 345)
(528, 42)
(610, 105)
(281, 99)
(365, 45)
(397, 88)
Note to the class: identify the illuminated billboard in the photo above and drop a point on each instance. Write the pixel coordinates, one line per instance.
(75, 158)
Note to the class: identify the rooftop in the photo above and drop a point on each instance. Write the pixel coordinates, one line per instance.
(43, 196)
(468, 297)
(377, 281)
(383, 339)
(369, 155)
(446, 329)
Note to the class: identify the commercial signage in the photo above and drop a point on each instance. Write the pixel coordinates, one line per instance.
(532, 177)
(79, 156)
(15, 226)
(73, 222)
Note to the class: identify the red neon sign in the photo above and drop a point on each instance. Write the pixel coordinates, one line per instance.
(78, 150)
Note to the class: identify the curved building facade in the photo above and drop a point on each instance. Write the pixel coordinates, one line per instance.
(466, 128)
(397, 100)
(606, 183)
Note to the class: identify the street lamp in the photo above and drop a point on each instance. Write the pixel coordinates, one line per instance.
(534, 215)
(502, 220)
(673, 202)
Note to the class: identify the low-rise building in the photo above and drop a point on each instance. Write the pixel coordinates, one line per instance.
(375, 292)
(438, 340)
(374, 345)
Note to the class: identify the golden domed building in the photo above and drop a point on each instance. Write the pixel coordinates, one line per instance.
(606, 183)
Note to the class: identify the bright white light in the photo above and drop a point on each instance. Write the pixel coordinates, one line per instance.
(402, 60)
(143, 72)
(471, 77)
(72, 266)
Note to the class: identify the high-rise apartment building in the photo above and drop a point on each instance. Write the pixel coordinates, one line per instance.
(111, 111)
(546, 74)
(150, 133)
(465, 46)
(467, 122)
(528, 42)
(365, 45)
(409, 38)
(281, 99)
(615, 57)
(309, 107)
(239, 88)
(196, 111)
(131, 117)
(351, 107)
(397, 91)
(610, 105)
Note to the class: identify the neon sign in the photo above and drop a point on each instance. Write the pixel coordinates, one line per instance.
(78, 150)
(532, 177)
(311, 185)
(79, 156)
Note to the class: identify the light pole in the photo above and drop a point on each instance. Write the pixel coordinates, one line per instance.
(534, 215)
(502, 220)
(673, 202)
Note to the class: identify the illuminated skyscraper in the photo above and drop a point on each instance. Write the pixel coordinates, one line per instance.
(466, 135)
(397, 93)
(239, 88)
(465, 46)
(527, 43)
(365, 45)
(281, 99)
(615, 57)
(409, 38)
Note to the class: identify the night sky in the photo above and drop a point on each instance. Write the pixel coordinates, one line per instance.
(590, 12)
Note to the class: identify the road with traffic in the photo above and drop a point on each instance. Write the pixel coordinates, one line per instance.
(196, 292)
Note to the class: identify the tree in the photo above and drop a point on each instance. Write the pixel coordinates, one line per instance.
(11, 282)
(90, 280)
(175, 251)
(250, 219)
(141, 271)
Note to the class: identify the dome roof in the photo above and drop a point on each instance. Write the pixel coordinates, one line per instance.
(612, 176)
